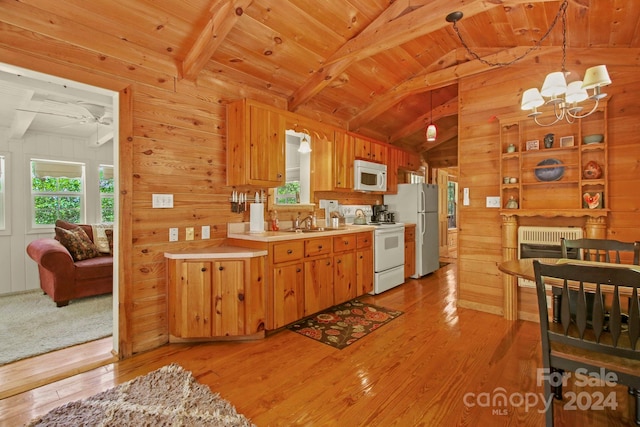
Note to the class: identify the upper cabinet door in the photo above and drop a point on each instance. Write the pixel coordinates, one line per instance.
(255, 145)
(343, 160)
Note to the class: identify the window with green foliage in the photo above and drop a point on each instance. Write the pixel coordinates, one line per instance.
(452, 212)
(288, 194)
(106, 193)
(57, 192)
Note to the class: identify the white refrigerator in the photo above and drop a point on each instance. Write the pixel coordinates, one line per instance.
(418, 204)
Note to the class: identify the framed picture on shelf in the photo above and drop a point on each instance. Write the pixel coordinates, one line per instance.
(534, 144)
(566, 141)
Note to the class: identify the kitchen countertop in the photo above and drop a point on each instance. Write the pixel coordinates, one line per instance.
(217, 252)
(240, 231)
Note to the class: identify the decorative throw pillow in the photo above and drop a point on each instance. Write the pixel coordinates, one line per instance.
(70, 226)
(77, 243)
(109, 234)
(100, 238)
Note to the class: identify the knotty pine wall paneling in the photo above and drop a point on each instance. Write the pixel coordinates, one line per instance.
(482, 99)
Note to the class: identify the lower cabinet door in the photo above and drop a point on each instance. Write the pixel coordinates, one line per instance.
(318, 285)
(288, 294)
(364, 270)
(344, 277)
(193, 300)
(228, 298)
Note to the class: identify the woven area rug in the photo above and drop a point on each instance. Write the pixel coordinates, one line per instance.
(170, 396)
(31, 324)
(344, 324)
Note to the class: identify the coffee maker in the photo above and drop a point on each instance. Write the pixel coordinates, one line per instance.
(381, 213)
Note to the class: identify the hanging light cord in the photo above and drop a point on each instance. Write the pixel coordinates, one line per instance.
(562, 13)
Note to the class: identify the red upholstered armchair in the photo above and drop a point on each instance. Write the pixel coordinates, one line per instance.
(64, 279)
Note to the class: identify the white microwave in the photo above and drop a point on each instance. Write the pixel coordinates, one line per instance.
(369, 176)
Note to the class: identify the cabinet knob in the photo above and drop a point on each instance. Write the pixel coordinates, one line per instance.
(203, 269)
(298, 270)
(289, 251)
(328, 263)
(279, 175)
(339, 261)
(319, 246)
(221, 268)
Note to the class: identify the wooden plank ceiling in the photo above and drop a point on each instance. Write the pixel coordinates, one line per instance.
(382, 68)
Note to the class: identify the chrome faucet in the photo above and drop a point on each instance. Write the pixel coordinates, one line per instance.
(306, 221)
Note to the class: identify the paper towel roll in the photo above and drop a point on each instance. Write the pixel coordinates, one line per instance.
(256, 218)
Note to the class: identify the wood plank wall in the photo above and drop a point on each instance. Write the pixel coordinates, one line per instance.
(176, 145)
(485, 97)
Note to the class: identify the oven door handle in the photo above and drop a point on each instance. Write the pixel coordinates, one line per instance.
(385, 231)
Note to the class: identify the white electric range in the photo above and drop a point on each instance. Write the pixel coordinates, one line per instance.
(388, 246)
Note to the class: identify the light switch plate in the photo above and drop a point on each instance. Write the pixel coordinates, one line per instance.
(493, 202)
(206, 232)
(190, 234)
(465, 196)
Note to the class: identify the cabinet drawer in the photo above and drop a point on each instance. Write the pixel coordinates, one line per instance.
(364, 240)
(344, 243)
(320, 246)
(289, 251)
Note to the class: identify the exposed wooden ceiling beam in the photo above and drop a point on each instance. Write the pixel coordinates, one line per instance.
(224, 14)
(449, 108)
(434, 80)
(409, 26)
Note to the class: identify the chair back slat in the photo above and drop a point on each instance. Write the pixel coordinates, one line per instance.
(598, 313)
(634, 319)
(597, 334)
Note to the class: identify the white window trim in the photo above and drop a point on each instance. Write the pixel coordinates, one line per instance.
(6, 231)
(35, 228)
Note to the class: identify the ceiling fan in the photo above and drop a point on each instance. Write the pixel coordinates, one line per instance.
(87, 113)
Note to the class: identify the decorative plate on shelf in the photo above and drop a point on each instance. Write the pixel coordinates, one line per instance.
(549, 173)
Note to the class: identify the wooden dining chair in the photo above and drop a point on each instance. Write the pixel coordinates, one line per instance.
(572, 344)
(601, 250)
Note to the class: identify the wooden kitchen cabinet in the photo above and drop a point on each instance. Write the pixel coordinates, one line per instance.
(344, 268)
(318, 285)
(288, 294)
(255, 144)
(364, 263)
(343, 160)
(409, 250)
(367, 149)
(215, 298)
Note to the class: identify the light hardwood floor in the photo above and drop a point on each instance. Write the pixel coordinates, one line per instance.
(431, 366)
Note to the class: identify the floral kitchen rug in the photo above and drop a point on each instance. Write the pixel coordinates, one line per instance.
(344, 324)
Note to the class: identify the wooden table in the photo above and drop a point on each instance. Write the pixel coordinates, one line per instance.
(524, 268)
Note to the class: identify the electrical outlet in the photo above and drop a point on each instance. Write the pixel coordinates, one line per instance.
(173, 234)
(465, 196)
(162, 201)
(206, 232)
(189, 234)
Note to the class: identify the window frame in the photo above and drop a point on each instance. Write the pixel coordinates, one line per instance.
(5, 220)
(34, 227)
(102, 195)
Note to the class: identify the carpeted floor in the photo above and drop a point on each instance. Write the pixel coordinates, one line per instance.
(344, 324)
(169, 396)
(31, 324)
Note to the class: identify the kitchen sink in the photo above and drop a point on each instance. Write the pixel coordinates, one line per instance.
(309, 230)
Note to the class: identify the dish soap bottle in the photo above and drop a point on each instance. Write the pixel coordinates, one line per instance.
(275, 223)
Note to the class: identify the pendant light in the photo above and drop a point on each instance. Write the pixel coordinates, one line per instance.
(431, 129)
(305, 147)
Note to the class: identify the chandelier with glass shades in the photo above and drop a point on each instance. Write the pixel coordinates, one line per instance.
(566, 98)
(563, 98)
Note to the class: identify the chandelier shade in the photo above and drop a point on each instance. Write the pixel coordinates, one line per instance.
(595, 77)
